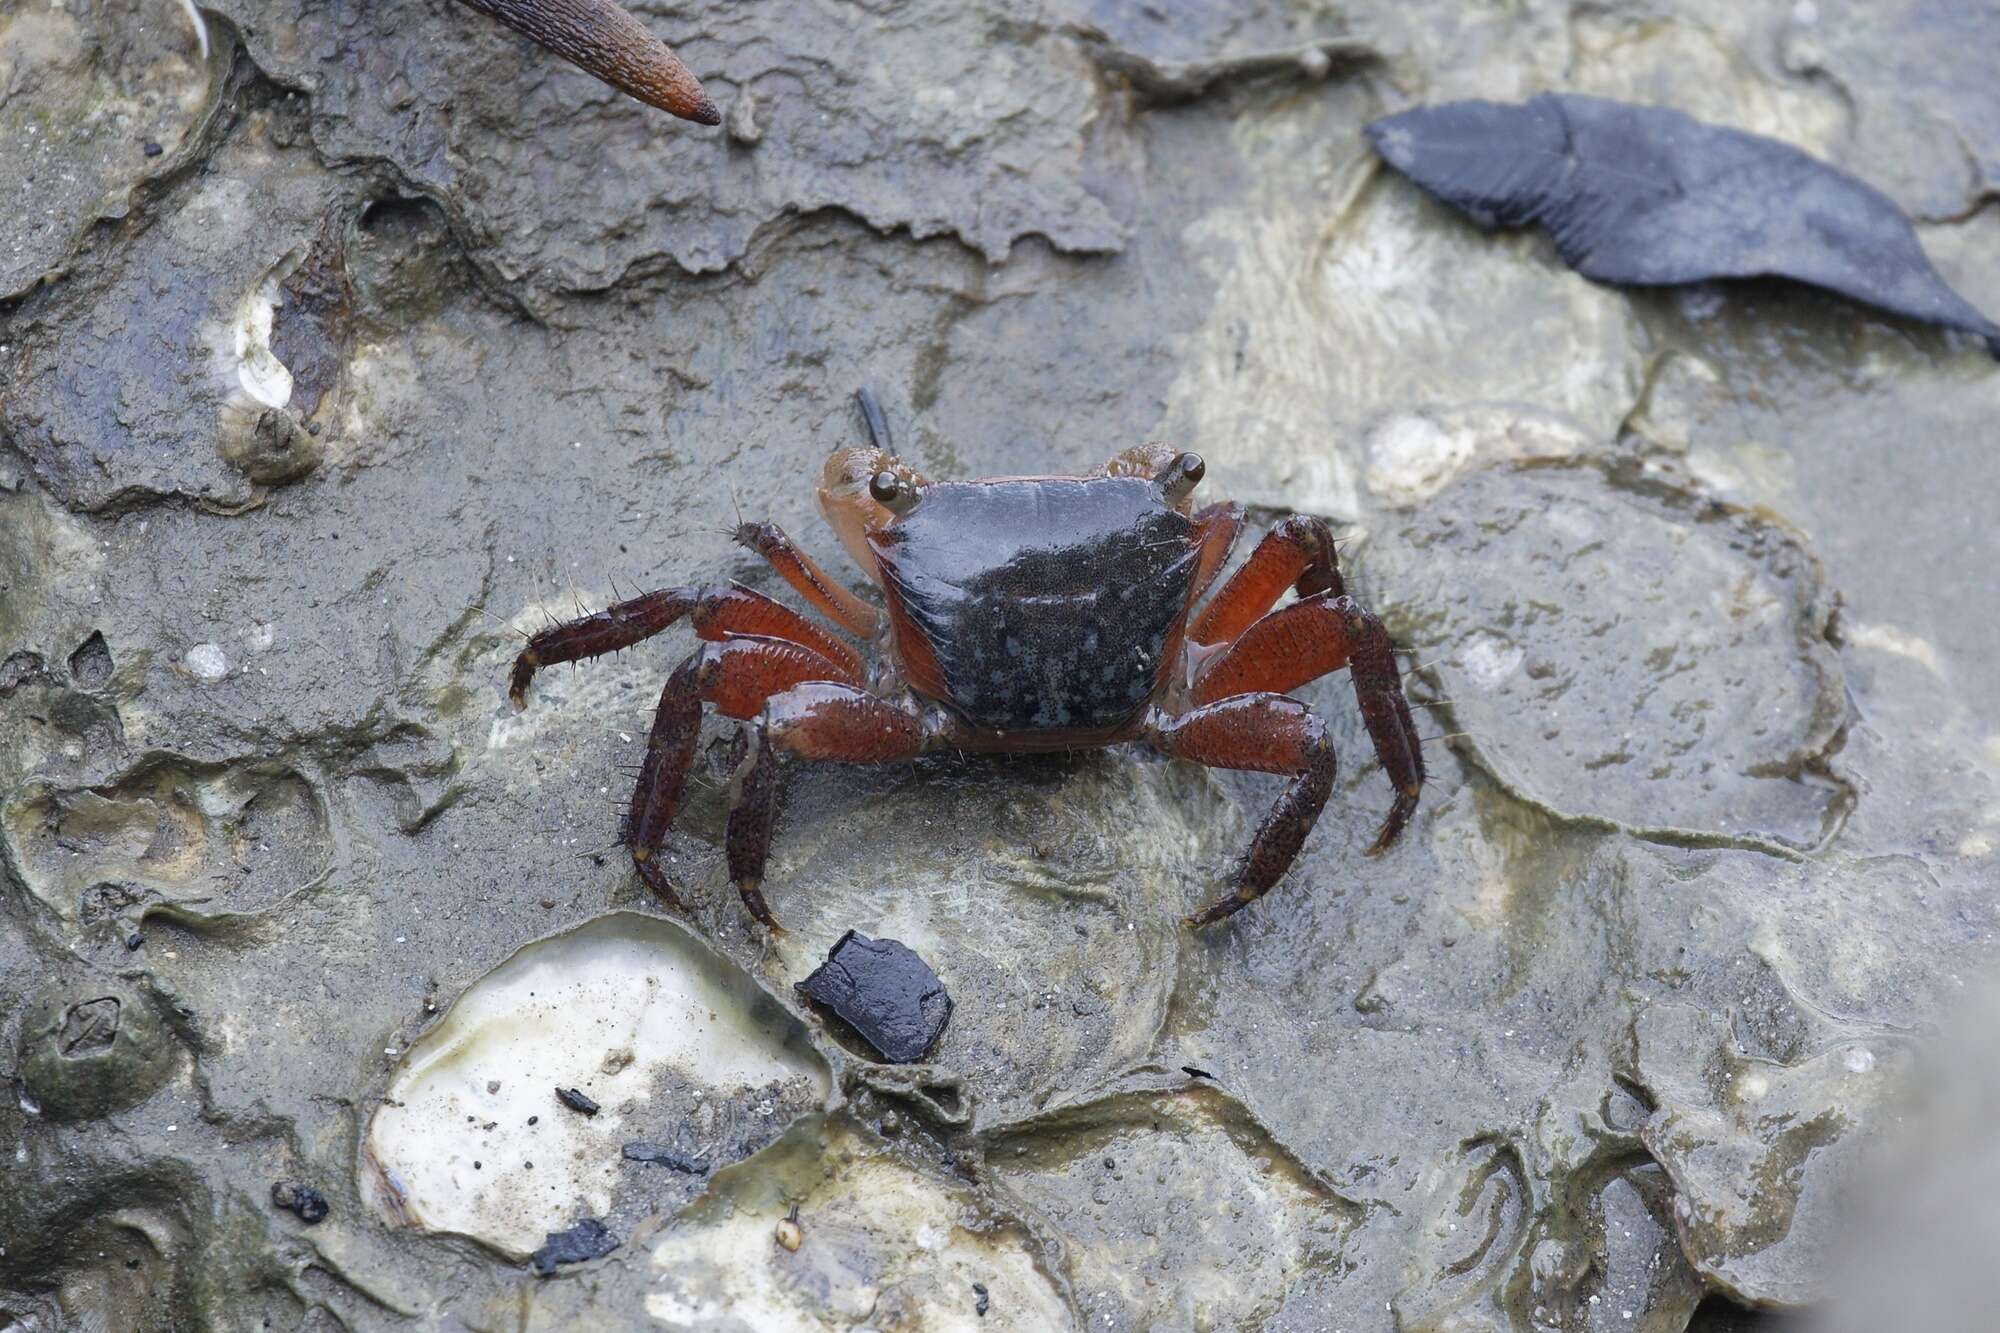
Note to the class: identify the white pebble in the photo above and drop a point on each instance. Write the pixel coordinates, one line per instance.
(207, 662)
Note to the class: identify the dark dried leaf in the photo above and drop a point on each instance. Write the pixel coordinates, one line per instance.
(586, 1240)
(1646, 196)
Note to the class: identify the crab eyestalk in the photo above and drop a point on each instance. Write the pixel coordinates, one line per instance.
(602, 38)
(1177, 480)
(893, 492)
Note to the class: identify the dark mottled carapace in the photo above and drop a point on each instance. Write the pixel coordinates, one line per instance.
(1042, 604)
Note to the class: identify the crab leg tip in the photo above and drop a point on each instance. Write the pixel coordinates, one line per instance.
(604, 39)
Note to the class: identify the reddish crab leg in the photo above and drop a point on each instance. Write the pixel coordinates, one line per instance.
(604, 39)
(736, 675)
(619, 625)
(1297, 553)
(727, 611)
(1306, 640)
(1265, 733)
(716, 613)
(814, 720)
(839, 605)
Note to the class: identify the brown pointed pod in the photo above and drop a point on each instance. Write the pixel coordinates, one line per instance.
(603, 38)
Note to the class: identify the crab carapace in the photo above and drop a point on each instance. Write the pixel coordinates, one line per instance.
(1023, 613)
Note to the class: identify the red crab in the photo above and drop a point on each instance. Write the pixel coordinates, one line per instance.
(1024, 613)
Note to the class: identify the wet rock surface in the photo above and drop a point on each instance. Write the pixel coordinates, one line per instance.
(412, 337)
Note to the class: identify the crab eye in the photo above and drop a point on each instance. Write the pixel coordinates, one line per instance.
(1177, 480)
(892, 492)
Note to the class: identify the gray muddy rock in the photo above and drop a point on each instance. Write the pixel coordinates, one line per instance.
(945, 119)
(418, 338)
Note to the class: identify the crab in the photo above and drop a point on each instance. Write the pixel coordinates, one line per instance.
(1022, 614)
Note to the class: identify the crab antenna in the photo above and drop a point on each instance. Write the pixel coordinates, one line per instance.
(872, 417)
(200, 25)
(604, 39)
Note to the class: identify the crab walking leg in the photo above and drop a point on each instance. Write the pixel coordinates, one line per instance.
(817, 720)
(1306, 640)
(725, 612)
(619, 625)
(736, 675)
(795, 567)
(1263, 733)
(605, 40)
(716, 613)
(1297, 553)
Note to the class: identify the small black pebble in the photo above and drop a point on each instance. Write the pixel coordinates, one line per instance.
(152, 149)
(586, 1240)
(533, 1118)
(885, 992)
(307, 1202)
(664, 1156)
(576, 1101)
(979, 1299)
(135, 941)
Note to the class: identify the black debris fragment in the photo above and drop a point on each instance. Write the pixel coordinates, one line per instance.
(307, 1202)
(884, 992)
(664, 1156)
(586, 1240)
(1192, 1072)
(152, 149)
(575, 1100)
(980, 1300)
(1647, 196)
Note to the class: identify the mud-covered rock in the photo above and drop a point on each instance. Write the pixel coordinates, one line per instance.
(89, 1050)
(942, 119)
(1586, 624)
(171, 384)
(103, 96)
(252, 709)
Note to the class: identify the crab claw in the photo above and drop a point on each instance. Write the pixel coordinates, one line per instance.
(602, 37)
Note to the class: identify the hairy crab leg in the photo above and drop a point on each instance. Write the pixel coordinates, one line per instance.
(715, 613)
(814, 720)
(795, 567)
(1306, 640)
(1263, 733)
(619, 625)
(604, 39)
(1297, 553)
(736, 675)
